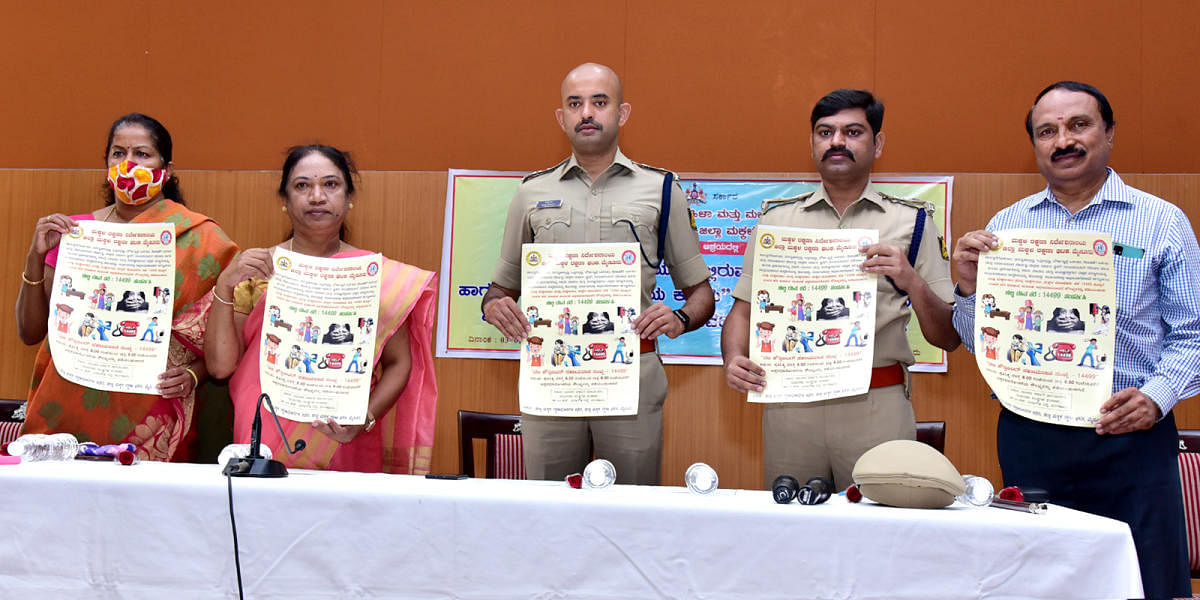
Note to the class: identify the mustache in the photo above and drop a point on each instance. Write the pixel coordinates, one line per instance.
(839, 150)
(1068, 151)
(588, 121)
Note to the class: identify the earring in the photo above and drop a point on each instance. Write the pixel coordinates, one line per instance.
(283, 208)
(351, 205)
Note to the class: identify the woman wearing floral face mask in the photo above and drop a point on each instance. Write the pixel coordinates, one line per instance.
(142, 188)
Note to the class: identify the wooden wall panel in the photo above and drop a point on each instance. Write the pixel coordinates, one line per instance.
(979, 80)
(715, 85)
(29, 195)
(400, 213)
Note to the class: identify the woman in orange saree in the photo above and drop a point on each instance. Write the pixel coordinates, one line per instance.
(317, 186)
(158, 424)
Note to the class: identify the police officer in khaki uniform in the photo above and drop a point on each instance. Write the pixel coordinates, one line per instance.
(827, 437)
(599, 195)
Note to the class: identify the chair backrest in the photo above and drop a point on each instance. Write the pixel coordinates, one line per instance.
(502, 434)
(1189, 477)
(932, 433)
(10, 423)
(8, 408)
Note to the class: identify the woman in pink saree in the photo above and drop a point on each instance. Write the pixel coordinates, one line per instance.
(317, 186)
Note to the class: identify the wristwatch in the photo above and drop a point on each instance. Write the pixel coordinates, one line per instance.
(370, 422)
(687, 321)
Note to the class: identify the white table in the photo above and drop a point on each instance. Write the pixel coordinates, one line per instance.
(98, 530)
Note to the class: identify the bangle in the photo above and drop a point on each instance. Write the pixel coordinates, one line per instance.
(27, 281)
(370, 422)
(195, 379)
(220, 299)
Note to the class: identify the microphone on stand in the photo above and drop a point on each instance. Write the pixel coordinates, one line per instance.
(255, 465)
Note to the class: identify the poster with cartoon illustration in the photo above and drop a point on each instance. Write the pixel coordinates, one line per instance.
(1044, 331)
(111, 308)
(581, 357)
(812, 317)
(318, 336)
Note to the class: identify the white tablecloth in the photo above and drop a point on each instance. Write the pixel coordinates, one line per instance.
(98, 530)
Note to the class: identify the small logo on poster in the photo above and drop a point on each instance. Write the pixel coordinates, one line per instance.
(766, 241)
(283, 263)
(166, 237)
(372, 268)
(1100, 247)
(533, 259)
(628, 257)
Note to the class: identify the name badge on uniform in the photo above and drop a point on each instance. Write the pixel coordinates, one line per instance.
(549, 204)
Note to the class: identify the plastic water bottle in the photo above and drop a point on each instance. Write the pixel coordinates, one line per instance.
(39, 446)
(979, 491)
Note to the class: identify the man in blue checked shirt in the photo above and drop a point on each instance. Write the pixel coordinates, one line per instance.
(1126, 467)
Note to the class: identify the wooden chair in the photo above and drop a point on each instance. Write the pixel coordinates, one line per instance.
(1189, 476)
(932, 433)
(10, 420)
(504, 457)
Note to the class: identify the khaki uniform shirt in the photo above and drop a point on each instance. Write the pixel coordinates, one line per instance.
(563, 205)
(894, 219)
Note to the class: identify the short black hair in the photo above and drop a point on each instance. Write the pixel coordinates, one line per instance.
(838, 100)
(1106, 111)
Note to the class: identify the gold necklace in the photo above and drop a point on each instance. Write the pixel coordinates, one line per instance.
(341, 244)
(110, 212)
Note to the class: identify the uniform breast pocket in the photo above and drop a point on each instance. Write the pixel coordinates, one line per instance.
(643, 220)
(550, 225)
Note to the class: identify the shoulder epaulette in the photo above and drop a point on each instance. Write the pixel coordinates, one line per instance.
(777, 202)
(654, 168)
(914, 204)
(543, 171)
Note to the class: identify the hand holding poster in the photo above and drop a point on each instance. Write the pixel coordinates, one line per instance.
(318, 341)
(812, 319)
(1044, 323)
(581, 357)
(111, 306)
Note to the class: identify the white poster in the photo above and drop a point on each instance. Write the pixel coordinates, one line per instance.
(111, 307)
(1046, 301)
(318, 337)
(812, 316)
(581, 357)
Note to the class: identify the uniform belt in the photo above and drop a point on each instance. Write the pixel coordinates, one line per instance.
(892, 374)
(647, 346)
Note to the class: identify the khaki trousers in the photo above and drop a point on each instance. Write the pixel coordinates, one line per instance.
(807, 439)
(559, 446)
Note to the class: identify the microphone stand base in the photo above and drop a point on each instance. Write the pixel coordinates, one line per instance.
(254, 467)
